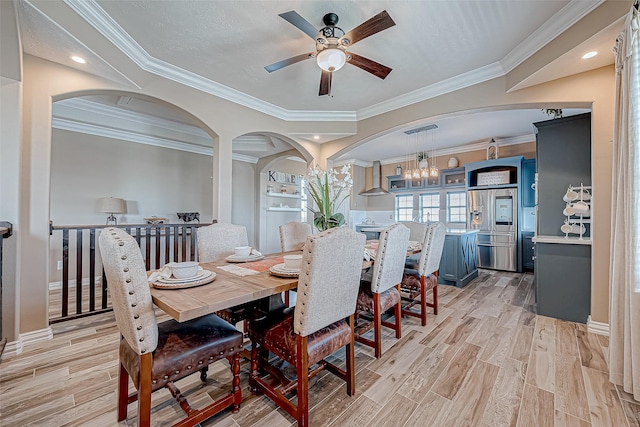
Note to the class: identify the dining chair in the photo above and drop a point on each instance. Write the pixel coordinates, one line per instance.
(320, 324)
(417, 282)
(217, 241)
(292, 237)
(417, 232)
(156, 355)
(382, 291)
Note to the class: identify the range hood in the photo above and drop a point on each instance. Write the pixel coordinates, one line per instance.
(376, 190)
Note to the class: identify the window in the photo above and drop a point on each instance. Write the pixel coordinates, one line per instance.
(430, 207)
(457, 206)
(404, 207)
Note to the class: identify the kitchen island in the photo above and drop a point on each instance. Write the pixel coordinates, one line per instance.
(459, 263)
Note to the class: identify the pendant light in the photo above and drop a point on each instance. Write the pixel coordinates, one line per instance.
(416, 169)
(433, 170)
(424, 166)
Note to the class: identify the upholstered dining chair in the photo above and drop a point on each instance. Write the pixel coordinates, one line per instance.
(157, 355)
(417, 231)
(382, 291)
(217, 241)
(417, 282)
(320, 324)
(293, 235)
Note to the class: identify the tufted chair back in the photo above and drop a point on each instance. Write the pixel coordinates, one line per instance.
(329, 279)
(390, 259)
(432, 249)
(293, 235)
(129, 289)
(217, 241)
(417, 230)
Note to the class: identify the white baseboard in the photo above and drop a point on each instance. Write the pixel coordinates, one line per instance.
(55, 286)
(17, 347)
(597, 327)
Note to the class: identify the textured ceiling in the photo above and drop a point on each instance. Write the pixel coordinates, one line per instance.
(223, 46)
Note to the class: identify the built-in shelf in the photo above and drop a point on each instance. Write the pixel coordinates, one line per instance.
(288, 195)
(278, 209)
(562, 240)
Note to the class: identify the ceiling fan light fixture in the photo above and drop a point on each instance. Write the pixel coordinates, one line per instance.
(331, 59)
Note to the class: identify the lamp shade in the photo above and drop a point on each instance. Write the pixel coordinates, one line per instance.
(112, 205)
(331, 59)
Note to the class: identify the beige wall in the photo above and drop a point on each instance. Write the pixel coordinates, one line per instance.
(243, 209)
(594, 89)
(45, 81)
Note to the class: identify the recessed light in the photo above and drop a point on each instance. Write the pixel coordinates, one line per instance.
(589, 55)
(316, 136)
(79, 59)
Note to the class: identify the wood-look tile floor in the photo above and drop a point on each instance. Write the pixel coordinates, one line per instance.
(485, 360)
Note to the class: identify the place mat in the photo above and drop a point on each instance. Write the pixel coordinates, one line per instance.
(237, 259)
(237, 270)
(280, 271)
(263, 265)
(203, 281)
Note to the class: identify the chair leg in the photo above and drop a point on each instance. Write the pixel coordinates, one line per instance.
(286, 298)
(350, 362)
(377, 325)
(123, 393)
(435, 295)
(423, 301)
(237, 391)
(303, 381)
(397, 312)
(144, 390)
(254, 367)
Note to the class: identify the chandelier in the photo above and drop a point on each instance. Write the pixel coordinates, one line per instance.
(421, 167)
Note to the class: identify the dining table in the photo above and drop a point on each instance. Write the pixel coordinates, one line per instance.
(235, 284)
(238, 283)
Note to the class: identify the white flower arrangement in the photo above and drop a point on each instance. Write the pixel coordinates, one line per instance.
(327, 188)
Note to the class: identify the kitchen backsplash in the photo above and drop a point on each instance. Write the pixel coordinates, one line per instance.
(379, 217)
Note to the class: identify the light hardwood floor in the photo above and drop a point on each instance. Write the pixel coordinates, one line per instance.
(485, 360)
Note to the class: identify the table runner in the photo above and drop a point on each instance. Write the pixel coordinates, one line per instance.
(250, 268)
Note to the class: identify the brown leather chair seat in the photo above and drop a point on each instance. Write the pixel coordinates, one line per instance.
(184, 348)
(388, 298)
(411, 280)
(277, 329)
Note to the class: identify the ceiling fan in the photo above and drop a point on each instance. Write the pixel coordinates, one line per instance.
(332, 43)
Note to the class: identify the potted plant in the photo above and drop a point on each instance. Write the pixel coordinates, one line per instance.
(327, 190)
(423, 160)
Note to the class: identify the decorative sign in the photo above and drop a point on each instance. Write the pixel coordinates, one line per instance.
(493, 178)
(283, 178)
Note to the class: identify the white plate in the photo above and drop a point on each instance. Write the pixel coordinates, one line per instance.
(202, 274)
(209, 277)
(280, 270)
(236, 258)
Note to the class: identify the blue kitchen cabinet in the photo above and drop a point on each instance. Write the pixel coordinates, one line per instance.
(459, 262)
(528, 179)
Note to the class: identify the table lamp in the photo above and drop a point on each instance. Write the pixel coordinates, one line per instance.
(112, 205)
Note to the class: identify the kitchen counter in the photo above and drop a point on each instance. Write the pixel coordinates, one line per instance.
(459, 231)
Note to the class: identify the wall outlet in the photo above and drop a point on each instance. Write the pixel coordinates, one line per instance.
(59, 265)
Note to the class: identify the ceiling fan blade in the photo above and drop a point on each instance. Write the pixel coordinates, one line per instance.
(325, 83)
(380, 22)
(372, 67)
(300, 23)
(281, 64)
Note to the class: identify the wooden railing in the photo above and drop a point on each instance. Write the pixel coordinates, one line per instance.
(74, 252)
(6, 229)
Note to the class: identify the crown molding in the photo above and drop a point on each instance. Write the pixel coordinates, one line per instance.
(85, 107)
(467, 148)
(244, 158)
(354, 162)
(103, 131)
(560, 22)
(91, 12)
(470, 78)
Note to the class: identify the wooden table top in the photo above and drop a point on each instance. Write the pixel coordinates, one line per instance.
(226, 291)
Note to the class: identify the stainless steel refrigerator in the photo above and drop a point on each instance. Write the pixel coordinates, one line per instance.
(494, 213)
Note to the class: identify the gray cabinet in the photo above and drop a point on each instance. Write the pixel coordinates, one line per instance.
(563, 281)
(459, 262)
(527, 251)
